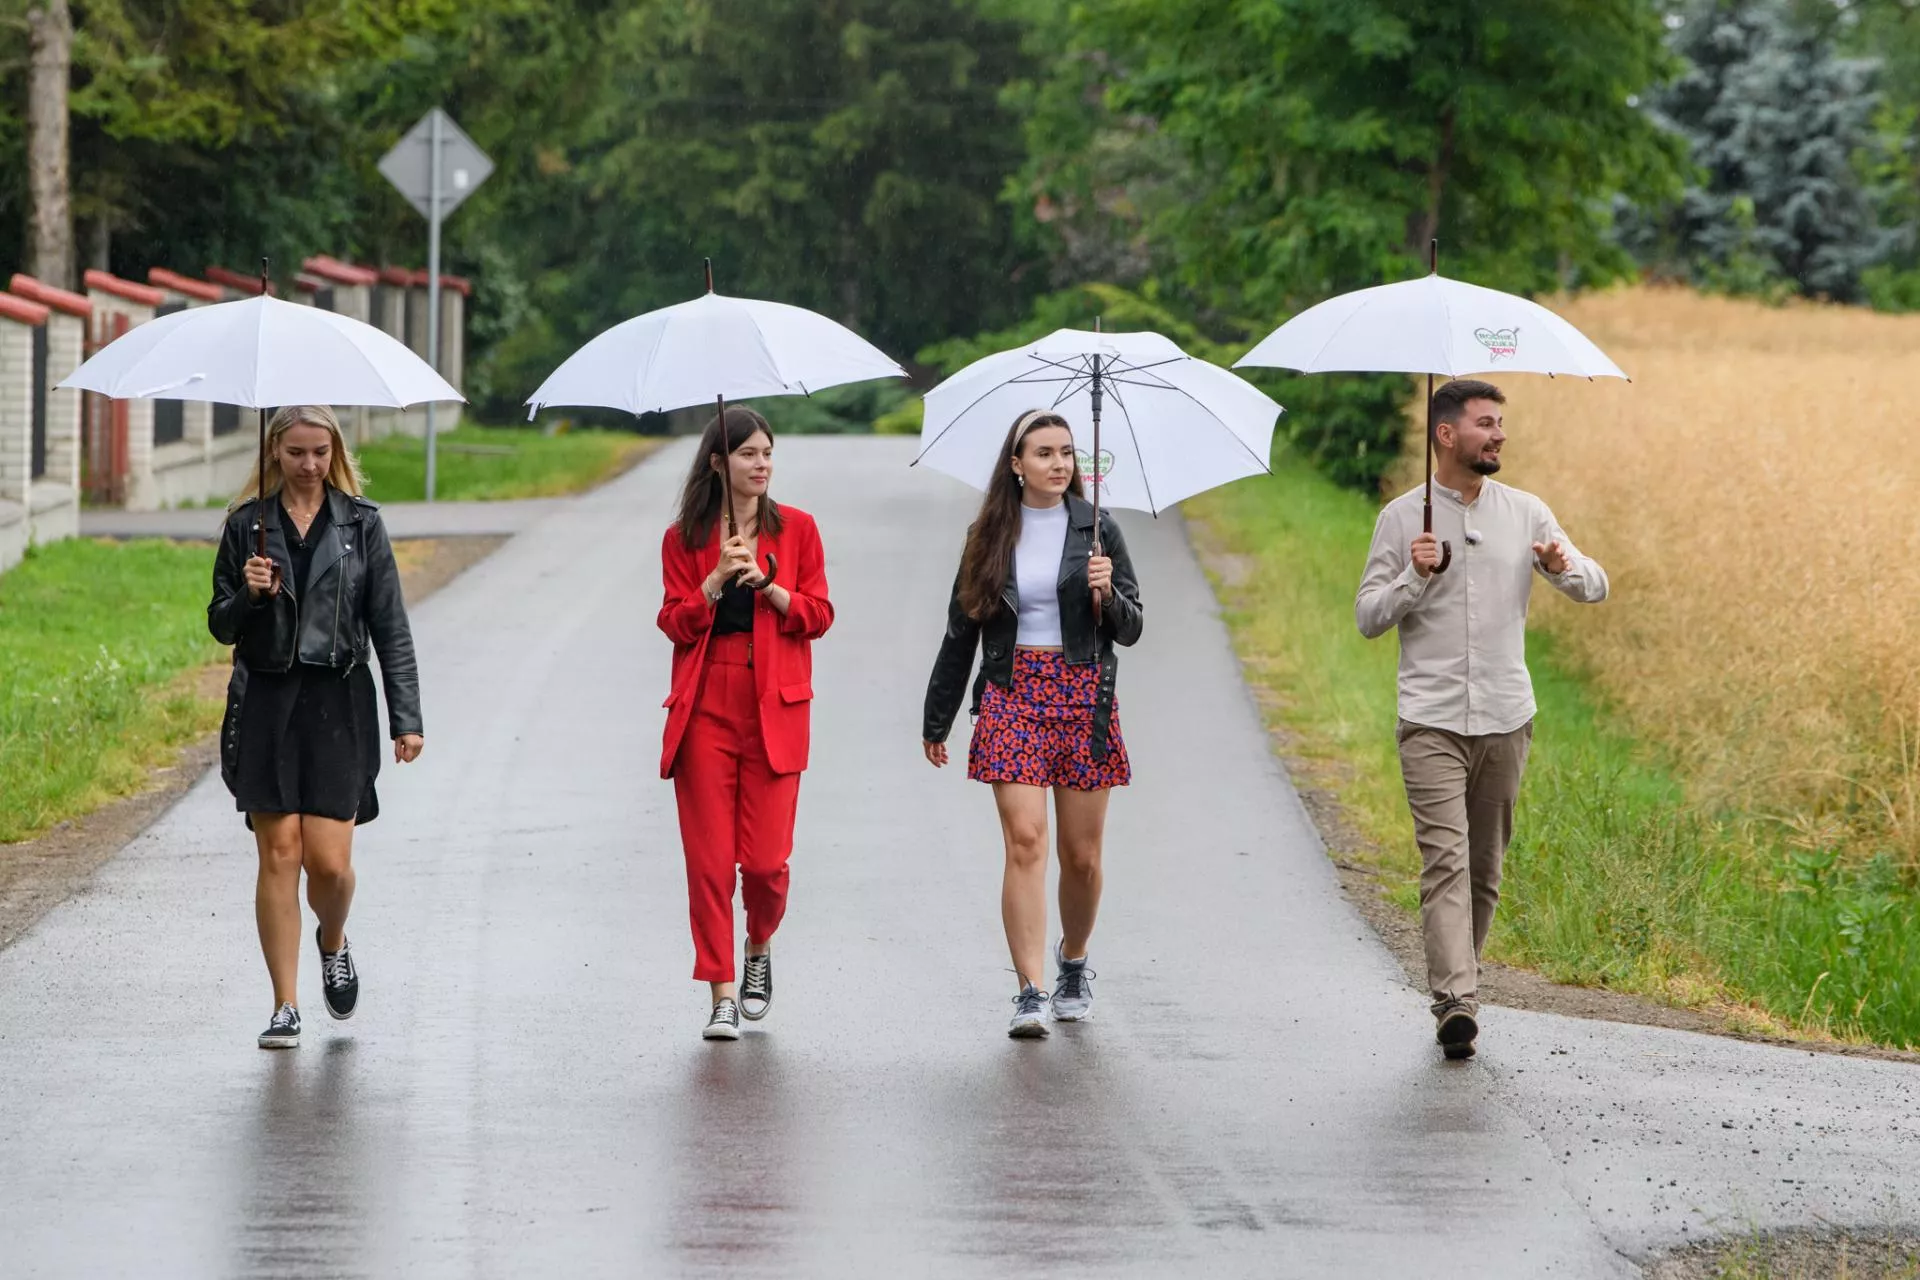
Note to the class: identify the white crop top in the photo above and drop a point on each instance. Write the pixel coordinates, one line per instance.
(1036, 574)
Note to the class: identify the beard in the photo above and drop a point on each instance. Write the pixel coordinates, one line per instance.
(1484, 466)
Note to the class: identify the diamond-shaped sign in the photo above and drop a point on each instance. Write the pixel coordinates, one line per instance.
(463, 166)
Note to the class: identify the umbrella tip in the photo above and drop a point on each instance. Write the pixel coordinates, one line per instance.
(709, 268)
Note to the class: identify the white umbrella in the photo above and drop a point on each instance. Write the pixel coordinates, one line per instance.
(1430, 325)
(712, 348)
(261, 353)
(1179, 425)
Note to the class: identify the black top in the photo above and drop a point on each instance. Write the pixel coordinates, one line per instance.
(300, 550)
(734, 614)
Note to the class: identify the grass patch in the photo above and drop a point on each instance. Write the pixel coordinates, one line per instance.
(1614, 879)
(100, 644)
(494, 463)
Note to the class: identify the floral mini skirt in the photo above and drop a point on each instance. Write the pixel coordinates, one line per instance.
(1040, 731)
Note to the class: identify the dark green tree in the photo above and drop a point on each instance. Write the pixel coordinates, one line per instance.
(1777, 122)
(1325, 142)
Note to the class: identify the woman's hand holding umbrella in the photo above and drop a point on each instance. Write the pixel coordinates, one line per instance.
(263, 576)
(1100, 578)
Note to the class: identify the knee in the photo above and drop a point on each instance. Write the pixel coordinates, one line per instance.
(327, 868)
(281, 856)
(1026, 845)
(1080, 858)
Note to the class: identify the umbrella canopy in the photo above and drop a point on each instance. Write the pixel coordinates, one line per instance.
(1430, 325)
(712, 347)
(261, 353)
(1175, 425)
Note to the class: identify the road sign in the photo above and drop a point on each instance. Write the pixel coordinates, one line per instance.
(435, 166)
(463, 166)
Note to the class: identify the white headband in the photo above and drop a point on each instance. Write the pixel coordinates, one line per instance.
(1026, 424)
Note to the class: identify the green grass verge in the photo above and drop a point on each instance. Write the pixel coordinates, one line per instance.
(99, 646)
(1613, 879)
(493, 463)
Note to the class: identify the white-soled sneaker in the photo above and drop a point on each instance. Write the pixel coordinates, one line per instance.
(756, 987)
(725, 1022)
(339, 979)
(1073, 988)
(284, 1031)
(1029, 1014)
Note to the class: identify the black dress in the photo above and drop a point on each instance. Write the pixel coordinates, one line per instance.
(309, 739)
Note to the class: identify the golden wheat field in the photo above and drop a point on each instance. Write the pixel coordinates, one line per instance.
(1754, 494)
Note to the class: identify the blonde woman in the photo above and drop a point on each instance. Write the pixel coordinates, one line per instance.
(299, 748)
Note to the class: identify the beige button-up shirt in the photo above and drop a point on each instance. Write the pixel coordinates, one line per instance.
(1463, 633)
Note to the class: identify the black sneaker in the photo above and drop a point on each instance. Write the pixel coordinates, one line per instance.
(284, 1031)
(725, 1022)
(756, 988)
(338, 978)
(1455, 1029)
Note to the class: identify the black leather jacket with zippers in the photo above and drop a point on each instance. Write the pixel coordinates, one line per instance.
(349, 608)
(1084, 638)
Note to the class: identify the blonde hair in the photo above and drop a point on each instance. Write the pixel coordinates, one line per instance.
(343, 473)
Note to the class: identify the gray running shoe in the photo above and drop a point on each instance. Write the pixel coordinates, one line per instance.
(1455, 1028)
(1073, 988)
(1029, 1014)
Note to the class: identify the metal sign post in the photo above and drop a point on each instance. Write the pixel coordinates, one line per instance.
(435, 166)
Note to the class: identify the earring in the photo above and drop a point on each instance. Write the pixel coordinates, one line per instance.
(1020, 479)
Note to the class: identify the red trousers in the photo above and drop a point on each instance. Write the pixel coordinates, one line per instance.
(734, 811)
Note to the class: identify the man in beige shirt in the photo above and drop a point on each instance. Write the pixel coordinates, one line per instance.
(1466, 701)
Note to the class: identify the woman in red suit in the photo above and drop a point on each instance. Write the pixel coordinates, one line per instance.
(737, 718)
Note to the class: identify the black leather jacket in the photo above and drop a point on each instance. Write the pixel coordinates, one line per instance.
(349, 607)
(1084, 638)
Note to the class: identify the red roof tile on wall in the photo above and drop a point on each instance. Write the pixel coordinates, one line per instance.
(12, 308)
(145, 295)
(339, 272)
(161, 278)
(234, 280)
(74, 304)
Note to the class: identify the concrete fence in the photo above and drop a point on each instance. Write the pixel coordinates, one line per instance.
(56, 446)
(51, 492)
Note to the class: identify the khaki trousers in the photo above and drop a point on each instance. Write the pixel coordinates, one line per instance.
(1461, 790)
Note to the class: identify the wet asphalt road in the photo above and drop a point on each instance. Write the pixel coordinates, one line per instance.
(524, 1091)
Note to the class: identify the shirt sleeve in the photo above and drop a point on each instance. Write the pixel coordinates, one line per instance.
(1391, 586)
(1584, 582)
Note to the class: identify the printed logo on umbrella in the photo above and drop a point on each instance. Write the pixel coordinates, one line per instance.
(1499, 342)
(1087, 471)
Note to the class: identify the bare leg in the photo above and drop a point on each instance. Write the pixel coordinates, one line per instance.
(1023, 888)
(327, 854)
(276, 901)
(726, 990)
(1083, 826)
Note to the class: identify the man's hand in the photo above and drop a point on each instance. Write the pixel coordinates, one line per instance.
(1552, 557)
(1426, 555)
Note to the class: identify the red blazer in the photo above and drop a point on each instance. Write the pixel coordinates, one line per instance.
(782, 647)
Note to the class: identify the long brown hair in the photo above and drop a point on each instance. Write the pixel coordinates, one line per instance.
(702, 498)
(343, 469)
(988, 559)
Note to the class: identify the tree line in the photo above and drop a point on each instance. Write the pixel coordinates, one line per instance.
(945, 174)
